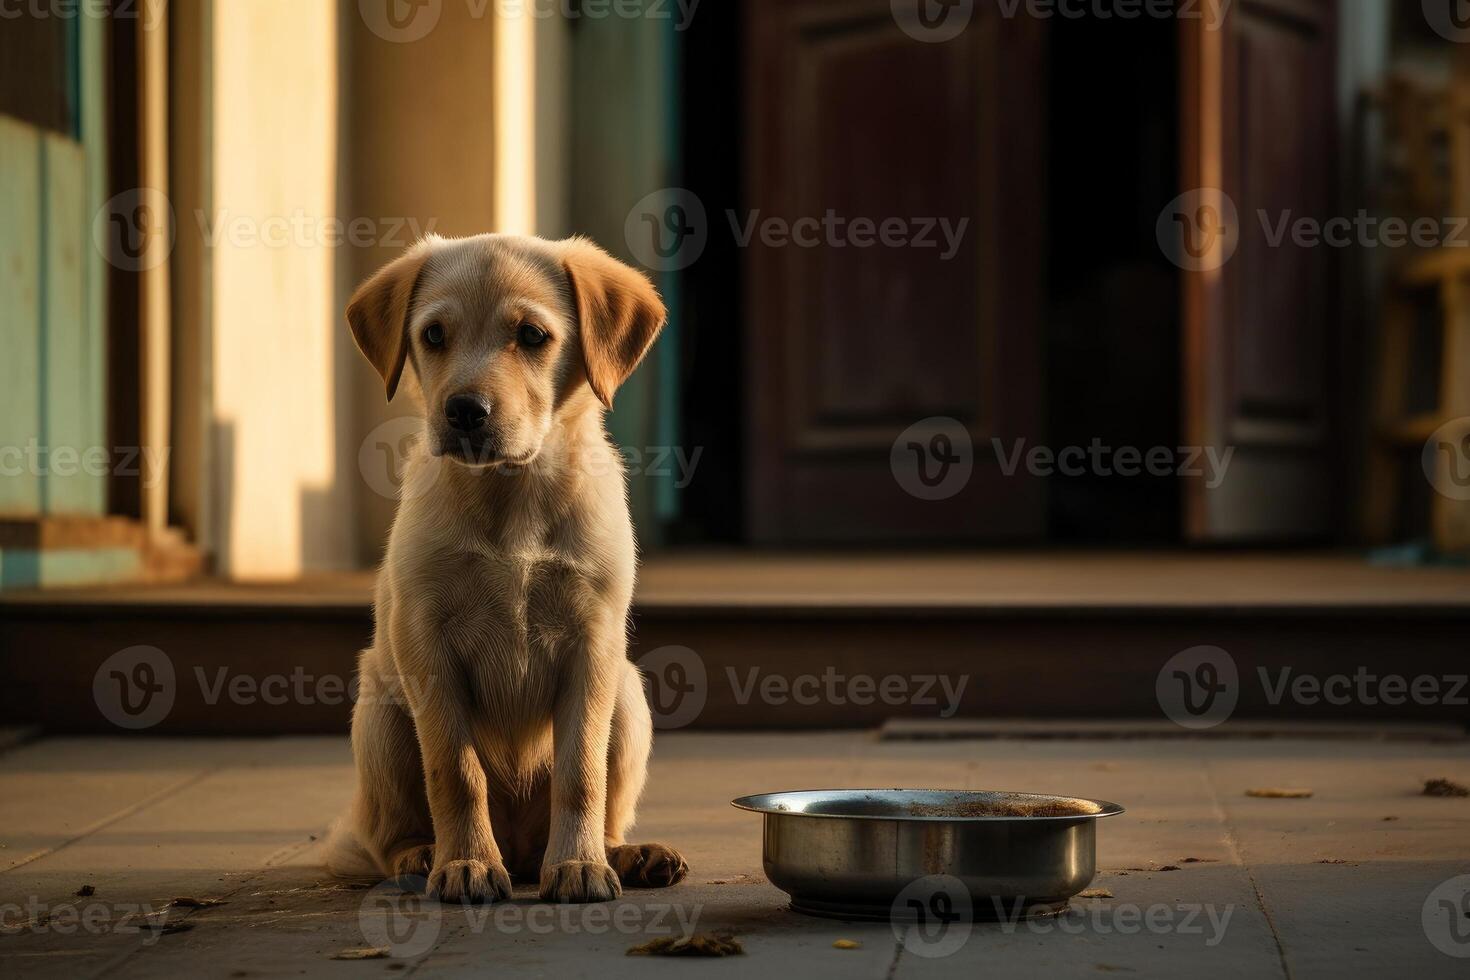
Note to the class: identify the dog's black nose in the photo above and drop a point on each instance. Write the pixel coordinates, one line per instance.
(466, 412)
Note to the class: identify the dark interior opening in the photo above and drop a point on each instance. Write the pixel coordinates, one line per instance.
(712, 507)
(1112, 342)
(1113, 337)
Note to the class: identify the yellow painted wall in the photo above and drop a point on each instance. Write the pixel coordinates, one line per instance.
(282, 504)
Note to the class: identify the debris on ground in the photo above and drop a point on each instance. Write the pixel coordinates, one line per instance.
(186, 902)
(1276, 793)
(740, 879)
(1094, 893)
(362, 953)
(846, 944)
(157, 923)
(1387, 819)
(86, 891)
(1198, 860)
(697, 944)
(1444, 787)
(1169, 867)
(1334, 861)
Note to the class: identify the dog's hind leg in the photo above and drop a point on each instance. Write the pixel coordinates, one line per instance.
(637, 865)
(391, 812)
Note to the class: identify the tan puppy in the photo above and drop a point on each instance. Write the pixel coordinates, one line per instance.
(500, 729)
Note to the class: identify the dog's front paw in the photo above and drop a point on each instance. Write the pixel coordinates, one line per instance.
(647, 865)
(580, 881)
(469, 881)
(412, 860)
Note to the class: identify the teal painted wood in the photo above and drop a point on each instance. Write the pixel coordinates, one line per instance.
(25, 568)
(667, 415)
(20, 317)
(75, 461)
(92, 108)
(624, 147)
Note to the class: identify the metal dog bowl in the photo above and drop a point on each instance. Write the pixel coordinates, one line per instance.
(895, 853)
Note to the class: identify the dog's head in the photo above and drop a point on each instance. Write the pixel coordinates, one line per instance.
(504, 332)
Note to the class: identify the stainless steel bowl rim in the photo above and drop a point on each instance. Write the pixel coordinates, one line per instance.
(765, 803)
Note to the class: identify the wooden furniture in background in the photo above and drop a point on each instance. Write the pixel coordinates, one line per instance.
(1429, 150)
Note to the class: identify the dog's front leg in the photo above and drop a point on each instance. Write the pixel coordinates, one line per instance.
(575, 868)
(467, 861)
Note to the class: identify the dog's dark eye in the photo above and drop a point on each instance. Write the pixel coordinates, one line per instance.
(434, 335)
(531, 335)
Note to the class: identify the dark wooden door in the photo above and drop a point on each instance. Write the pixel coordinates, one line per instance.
(882, 367)
(1257, 112)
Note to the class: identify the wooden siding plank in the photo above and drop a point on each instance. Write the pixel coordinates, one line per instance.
(92, 106)
(20, 316)
(75, 461)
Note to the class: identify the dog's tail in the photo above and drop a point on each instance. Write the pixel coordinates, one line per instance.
(346, 857)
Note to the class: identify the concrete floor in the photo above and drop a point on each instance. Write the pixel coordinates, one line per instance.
(1349, 882)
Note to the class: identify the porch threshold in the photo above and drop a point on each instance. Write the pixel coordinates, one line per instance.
(1003, 635)
(694, 582)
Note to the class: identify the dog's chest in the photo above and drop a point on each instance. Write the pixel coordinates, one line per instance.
(513, 607)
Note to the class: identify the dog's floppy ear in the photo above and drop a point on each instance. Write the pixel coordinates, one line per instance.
(619, 314)
(378, 313)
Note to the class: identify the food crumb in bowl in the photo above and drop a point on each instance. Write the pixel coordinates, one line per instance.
(1013, 807)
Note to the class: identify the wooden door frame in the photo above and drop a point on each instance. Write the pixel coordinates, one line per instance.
(1208, 108)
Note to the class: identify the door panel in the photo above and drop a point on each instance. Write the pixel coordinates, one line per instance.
(849, 345)
(1257, 113)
